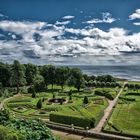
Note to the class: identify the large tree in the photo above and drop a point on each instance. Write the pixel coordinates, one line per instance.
(5, 74)
(62, 76)
(76, 78)
(18, 75)
(49, 74)
(31, 73)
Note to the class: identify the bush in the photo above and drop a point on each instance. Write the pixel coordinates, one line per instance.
(39, 104)
(10, 134)
(85, 101)
(75, 120)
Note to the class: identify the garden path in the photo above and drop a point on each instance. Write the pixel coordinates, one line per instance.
(107, 112)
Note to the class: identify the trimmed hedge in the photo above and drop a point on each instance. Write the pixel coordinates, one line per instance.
(75, 120)
(127, 99)
(104, 92)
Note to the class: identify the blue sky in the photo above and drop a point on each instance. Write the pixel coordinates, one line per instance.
(67, 31)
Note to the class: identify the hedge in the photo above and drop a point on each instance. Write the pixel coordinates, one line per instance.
(127, 99)
(105, 93)
(75, 120)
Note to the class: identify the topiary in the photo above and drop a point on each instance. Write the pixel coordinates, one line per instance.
(39, 104)
(85, 101)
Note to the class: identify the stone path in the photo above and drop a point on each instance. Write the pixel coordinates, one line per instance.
(107, 112)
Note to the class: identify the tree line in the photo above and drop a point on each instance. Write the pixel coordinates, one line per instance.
(17, 75)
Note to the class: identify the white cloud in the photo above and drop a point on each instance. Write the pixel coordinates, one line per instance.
(62, 22)
(106, 18)
(137, 23)
(135, 15)
(20, 27)
(68, 17)
(54, 42)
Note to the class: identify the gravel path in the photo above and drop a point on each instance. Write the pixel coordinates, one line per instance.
(107, 112)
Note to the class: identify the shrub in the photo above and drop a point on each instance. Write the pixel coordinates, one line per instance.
(34, 94)
(39, 104)
(85, 101)
(10, 134)
(70, 97)
(75, 120)
(31, 89)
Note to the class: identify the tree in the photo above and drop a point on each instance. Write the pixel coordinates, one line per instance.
(33, 92)
(39, 104)
(5, 74)
(70, 97)
(49, 74)
(62, 76)
(85, 101)
(18, 76)
(31, 73)
(39, 84)
(76, 78)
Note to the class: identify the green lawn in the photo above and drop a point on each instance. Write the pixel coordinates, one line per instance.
(25, 106)
(125, 116)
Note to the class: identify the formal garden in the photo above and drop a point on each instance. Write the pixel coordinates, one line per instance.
(38, 96)
(125, 117)
(82, 109)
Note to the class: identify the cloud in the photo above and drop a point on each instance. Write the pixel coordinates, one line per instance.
(1, 15)
(68, 17)
(135, 15)
(62, 22)
(53, 42)
(106, 18)
(20, 27)
(137, 23)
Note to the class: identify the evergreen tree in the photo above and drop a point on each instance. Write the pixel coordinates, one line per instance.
(85, 101)
(18, 75)
(39, 104)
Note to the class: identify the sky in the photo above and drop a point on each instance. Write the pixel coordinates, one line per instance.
(92, 32)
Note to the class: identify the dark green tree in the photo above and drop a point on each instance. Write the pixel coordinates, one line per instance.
(31, 73)
(76, 78)
(5, 74)
(39, 83)
(85, 101)
(39, 104)
(62, 76)
(49, 74)
(18, 75)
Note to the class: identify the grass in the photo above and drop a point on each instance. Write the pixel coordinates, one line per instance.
(126, 116)
(96, 104)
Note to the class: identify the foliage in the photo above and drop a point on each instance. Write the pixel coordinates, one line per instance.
(10, 134)
(105, 92)
(85, 101)
(30, 129)
(39, 104)
(62, 74)
(18, 75)
(5, 74)
(75, 120)
(31, 73)
(49, 74)
(76, 78)
(39, 84)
